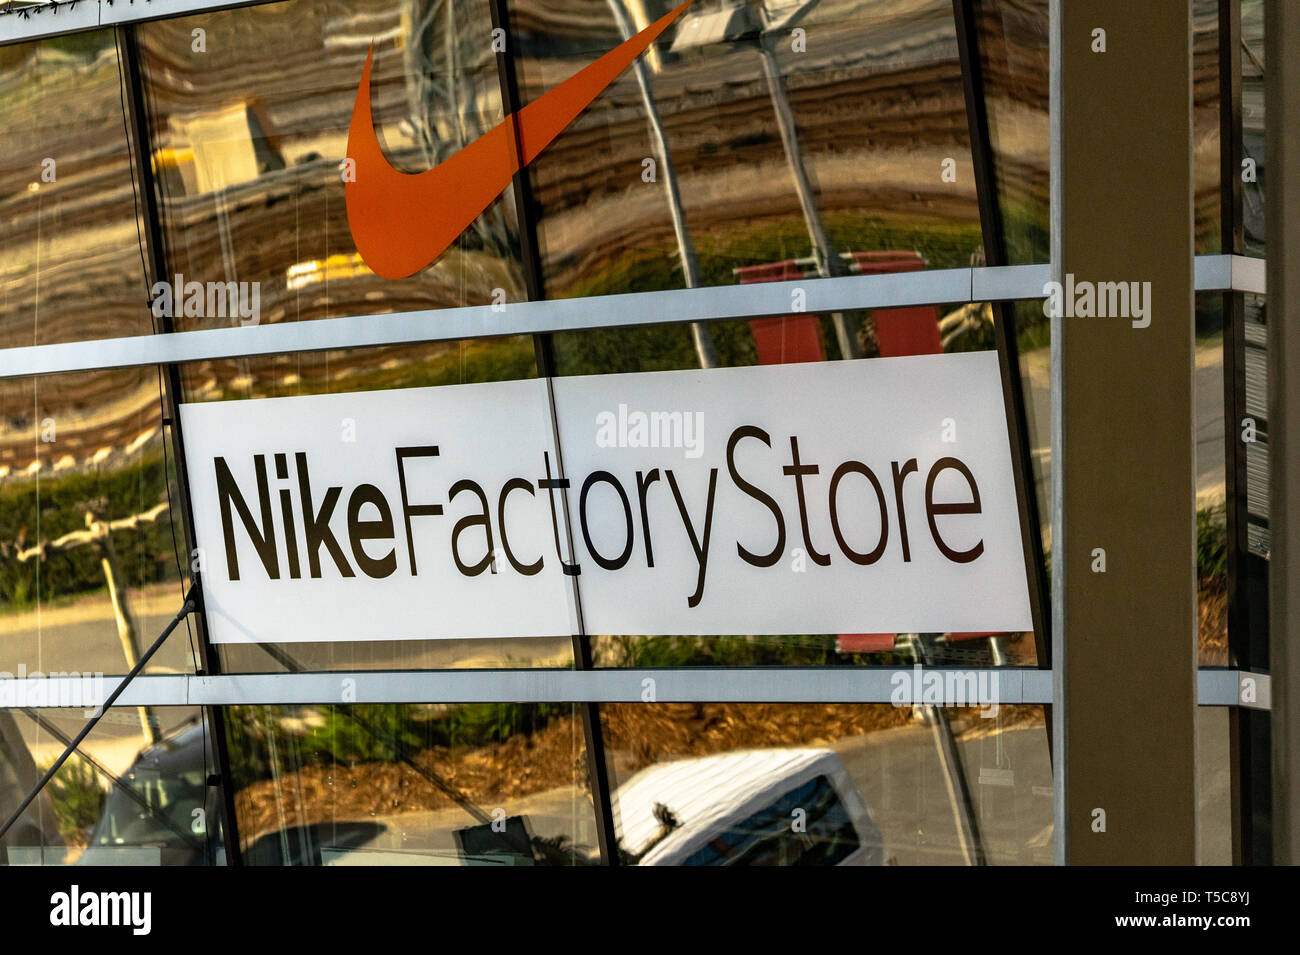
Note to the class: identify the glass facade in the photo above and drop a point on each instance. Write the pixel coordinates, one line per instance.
(753, 143)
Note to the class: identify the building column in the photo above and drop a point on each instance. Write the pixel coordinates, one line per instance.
(1282, 211)
(1123, 475)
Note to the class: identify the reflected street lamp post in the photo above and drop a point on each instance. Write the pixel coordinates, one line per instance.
(704, 347)
(737, 21)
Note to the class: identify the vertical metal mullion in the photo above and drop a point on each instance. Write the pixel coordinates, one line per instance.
(1249, 765)
(1282, 228)
(543, 349)
(1231, 152)
(522, 185)
(1008, 353)
(156, 258)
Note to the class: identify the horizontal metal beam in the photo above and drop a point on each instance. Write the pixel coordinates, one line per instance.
(1234, 688)
(732, 684)
(672, 306)
(1229, 273)
(777, 685)
(707, 684)
(1003, 283)
(511, 318)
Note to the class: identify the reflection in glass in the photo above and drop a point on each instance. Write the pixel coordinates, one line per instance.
(1211, 485)
(248, 146)
(748, 800)
(123, 798)
(828, 784)
(250, 133)
(1012, 39)
(481, 784)
(761, 178)
(1258, 468)
(1207, 185)
(92, 556)
(1252, 124)
(742, 150)
(70, 261)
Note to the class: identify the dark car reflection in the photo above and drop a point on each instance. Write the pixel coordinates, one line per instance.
(159, 804)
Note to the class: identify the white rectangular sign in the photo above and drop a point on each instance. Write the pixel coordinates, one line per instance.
(332, 517)
(830, 497)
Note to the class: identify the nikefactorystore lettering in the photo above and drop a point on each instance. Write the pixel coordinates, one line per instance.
(381, 535)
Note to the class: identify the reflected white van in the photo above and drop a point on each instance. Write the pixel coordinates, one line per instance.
(755, 807)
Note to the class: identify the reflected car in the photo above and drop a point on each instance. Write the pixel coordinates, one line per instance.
(755, 807)
(156, 814)
(152, 817)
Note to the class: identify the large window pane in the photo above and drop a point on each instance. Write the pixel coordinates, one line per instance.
(1206, 175)
(828, 784)
(92, 551)
(483, 784)
(250, 131)
(134, 793)
(70, 260)
(1252, 122)
(1013, 48)
(746, 149)
(1211, 485)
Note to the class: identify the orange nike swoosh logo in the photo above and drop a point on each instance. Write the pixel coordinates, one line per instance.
(401, 222)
